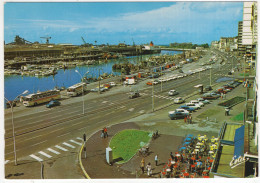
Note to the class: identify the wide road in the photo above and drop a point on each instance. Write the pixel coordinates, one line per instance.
(51, 127)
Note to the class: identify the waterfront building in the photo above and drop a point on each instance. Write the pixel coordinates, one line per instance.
(215, 44)
(249, 35)
(241, 47)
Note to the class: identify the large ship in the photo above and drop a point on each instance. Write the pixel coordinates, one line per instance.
(150, 49)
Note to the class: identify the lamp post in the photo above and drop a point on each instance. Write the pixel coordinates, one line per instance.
(82, 90)
(11, 104)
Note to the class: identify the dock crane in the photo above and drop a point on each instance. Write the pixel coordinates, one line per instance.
(47, 39)
(133, 42)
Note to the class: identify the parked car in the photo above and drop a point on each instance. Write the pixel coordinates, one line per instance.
(173, 92)
(112, 84)
(210, 96)
(178, 100)
(203, 101)
(53, 103)
(181, 110)
(190, 109)
(195, 106)
(197, 102)
(102, 89)
(150, 83)
(134, 94)
(208, 88)
(177, 115)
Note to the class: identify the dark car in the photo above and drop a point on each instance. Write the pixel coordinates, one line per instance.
(208, 88)
(190, 109)
(229, 86)
(178, 115)
(210, 96)
(53, 103)
(134, 94)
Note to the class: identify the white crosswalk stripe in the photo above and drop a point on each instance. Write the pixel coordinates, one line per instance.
(36, 157)
(53, 151)
(45, 154)
(61, 148)
(66, 144)
(131, 109)
(6, 161)
(76, 142)
(79, 138)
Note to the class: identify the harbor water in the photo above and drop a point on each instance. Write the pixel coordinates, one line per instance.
(14, 85)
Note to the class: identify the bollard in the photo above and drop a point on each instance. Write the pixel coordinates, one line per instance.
(85, 150)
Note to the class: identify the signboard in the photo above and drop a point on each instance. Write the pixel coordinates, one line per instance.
(235, 162)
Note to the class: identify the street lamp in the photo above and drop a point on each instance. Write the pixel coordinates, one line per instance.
(82, 89)
(11, 104)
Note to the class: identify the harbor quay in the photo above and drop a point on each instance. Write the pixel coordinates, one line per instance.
(57, 136)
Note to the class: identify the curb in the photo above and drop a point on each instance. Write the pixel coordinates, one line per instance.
(80, 163)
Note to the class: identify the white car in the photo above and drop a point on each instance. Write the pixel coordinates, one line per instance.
(182, 110)
(197, 102)
(203, 101)
(112, 84)
(195, 106)
(173, 92)
(178, 100)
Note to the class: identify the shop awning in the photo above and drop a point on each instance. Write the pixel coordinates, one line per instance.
(239, 142)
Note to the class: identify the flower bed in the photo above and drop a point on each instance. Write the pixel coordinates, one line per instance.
(232, 102)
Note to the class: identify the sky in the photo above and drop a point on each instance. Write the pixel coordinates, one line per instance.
(118, 22)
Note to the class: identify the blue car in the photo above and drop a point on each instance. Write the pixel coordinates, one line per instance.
(190, 109)
(178, 115)
(53, 103)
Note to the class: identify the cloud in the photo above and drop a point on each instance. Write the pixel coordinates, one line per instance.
(183, 17)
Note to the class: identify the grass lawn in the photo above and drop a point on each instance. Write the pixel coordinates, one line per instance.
(239, 117)
(126, 143)
(208, 112)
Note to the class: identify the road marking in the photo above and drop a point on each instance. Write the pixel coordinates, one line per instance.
(38, 143)
(79, 138)
(63, 134)
(104, 102)
(66, 144)
(56, 152)
(61, 148)
(36, 157)
(142, 111)
(6, 161)
(76, 142)
(45, 154)
(131, 109)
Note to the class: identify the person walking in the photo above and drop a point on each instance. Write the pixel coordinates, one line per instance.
(149, 169)
(171, 155)
(142, 165)
(102, 133)
(156, 160)
(185, 119)
(190, 119)
(105, 132)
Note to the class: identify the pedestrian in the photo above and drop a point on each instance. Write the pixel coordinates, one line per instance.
(190, 119)
(171, 155)
(156, 160)
(142, 165)
(226, 111)
(102, 133)
(149, 169)
(84, 137)
(224, 96)
(185, 119)
(105, 132)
